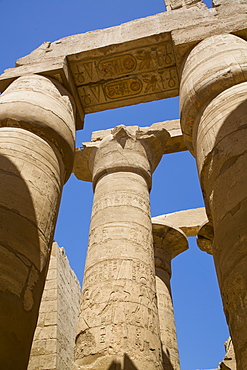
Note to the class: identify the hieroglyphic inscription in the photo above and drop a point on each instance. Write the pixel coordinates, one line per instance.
(116, 65)
(120, 77)
(112, 269)
(146, 59)
(167, 322)
(123, 88)
(120, 198)
(126, 303)
(148, 84)
(131, 238)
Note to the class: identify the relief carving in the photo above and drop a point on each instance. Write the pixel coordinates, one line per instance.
(116, 65)
(103, 81)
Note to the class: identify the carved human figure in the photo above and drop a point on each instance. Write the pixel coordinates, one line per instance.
(119, 320)
(213, 119)
(168, 243)
(37, 131)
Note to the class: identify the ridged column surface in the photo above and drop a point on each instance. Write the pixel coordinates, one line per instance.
(36, 155)
(118, 324)
(214, 119)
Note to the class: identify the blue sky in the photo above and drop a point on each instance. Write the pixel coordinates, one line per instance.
(200, 320)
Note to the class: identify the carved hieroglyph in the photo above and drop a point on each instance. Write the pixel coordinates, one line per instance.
(37, 132)
(168, 243)
(118, 323)
(213, 117)
(135, 62)
(112, 75)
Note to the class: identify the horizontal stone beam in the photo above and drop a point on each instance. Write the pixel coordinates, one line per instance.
(135, 62)
(189, 221)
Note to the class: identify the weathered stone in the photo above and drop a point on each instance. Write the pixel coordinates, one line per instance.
(119, 319)
(53, 343)
(189, 220)
(205, 237)
(229, 362)
(36, 156)
(168, 243)
(176, 4)
(138, 61)
(213, 112)
(174, 144)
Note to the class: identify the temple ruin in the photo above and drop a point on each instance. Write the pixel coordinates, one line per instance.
(124, 319)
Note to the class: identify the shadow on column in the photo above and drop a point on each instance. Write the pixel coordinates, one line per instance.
(21, 283)
(166, 362)
(128, 364)
(225, 186)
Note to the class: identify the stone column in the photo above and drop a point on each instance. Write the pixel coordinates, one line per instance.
(205, 238)
(118, 323)
(168, 243)
(214, 122)
(37, 133)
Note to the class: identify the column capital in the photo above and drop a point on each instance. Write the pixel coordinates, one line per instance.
(213, 66)
(128, 149)
(44, 107)
(169, 242)
(205, 238)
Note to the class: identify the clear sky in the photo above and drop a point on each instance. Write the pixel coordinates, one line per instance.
(25, 24)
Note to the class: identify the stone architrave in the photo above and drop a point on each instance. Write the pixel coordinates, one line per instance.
(37, 132)
(213, 119)
(189, 220)
(118, 324)
(136, 62)
(168, 243)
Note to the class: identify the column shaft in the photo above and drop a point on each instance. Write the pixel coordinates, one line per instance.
(226, 173)
(167, 323)
(168, 243)
(216, 114)
(118, 324)
(32, 173)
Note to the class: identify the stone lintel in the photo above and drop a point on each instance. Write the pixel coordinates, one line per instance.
(135, 62)
(228, 22)
(55, 68)
(189, 221)
(137, 31)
